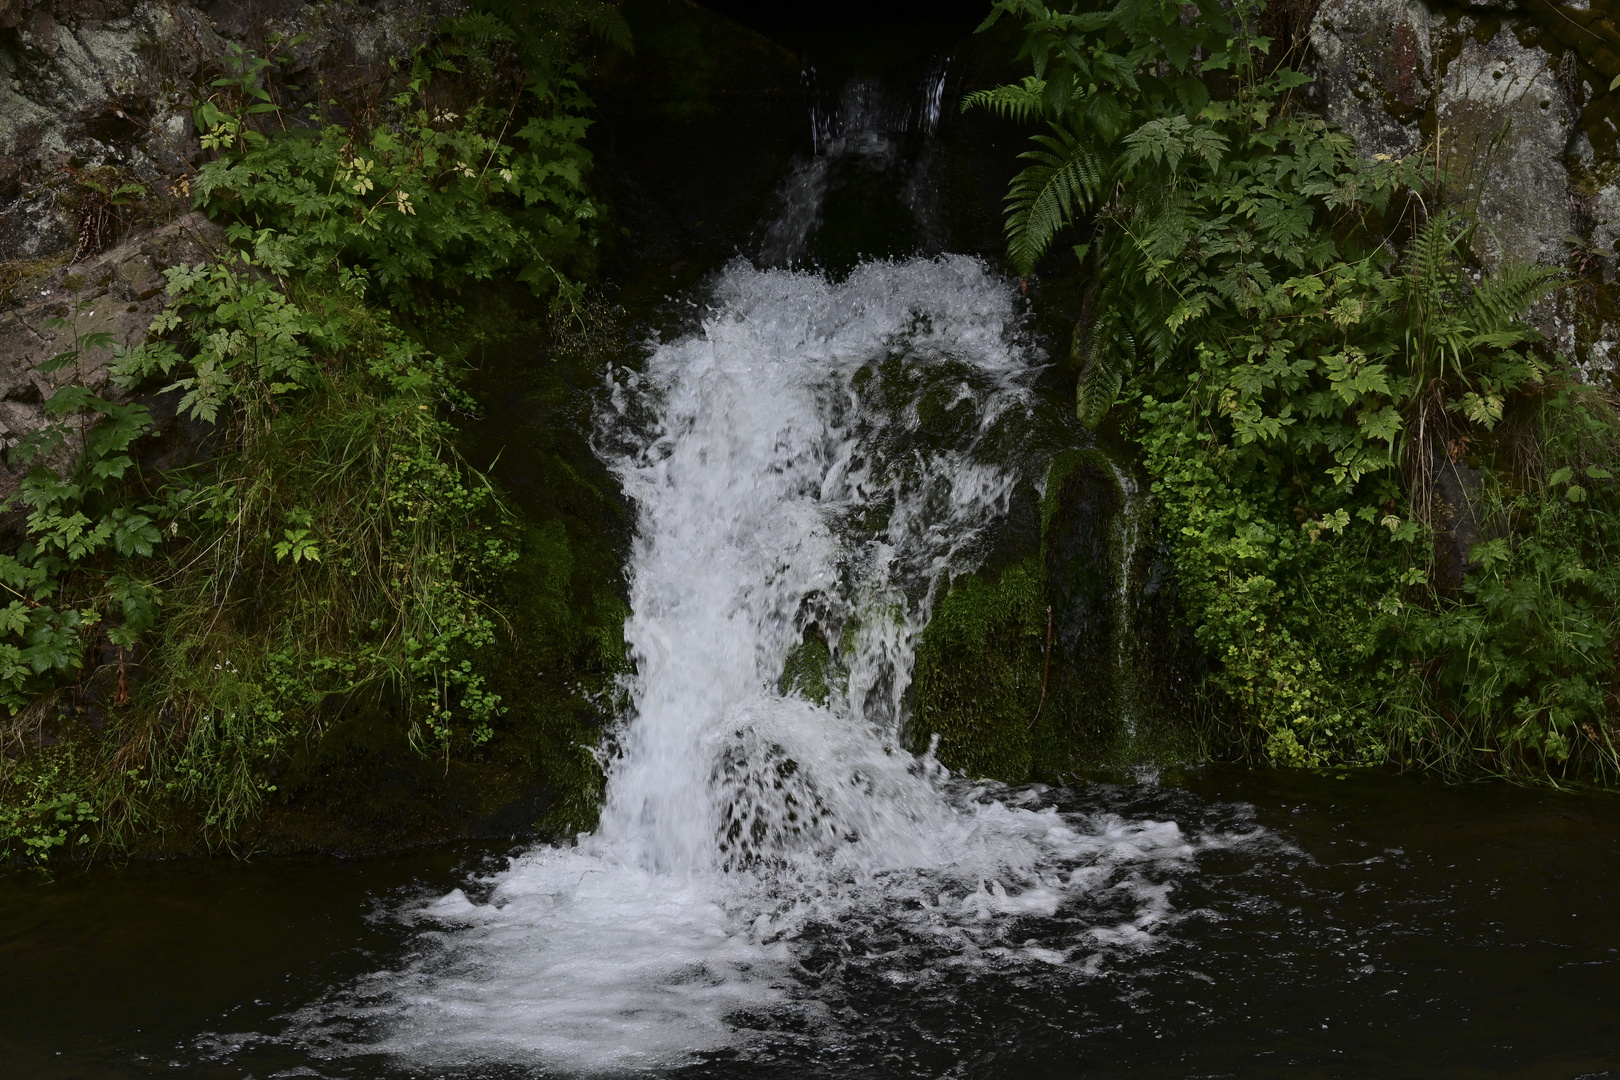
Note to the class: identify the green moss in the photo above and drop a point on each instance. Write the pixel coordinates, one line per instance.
(1049, 667)
(807, 668)
(977, 683)
(1065, 464)
(566, 652)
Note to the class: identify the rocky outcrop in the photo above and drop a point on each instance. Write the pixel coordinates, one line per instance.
(1375, 70)
(1504, 123)
(98, 93)
(1513, 102)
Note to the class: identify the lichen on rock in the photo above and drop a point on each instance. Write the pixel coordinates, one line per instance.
(1505, 122)
(1374, 70)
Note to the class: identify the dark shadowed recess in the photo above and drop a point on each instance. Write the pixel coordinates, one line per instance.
(867, 37)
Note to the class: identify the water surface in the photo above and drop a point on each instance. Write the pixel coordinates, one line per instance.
(1390, 927)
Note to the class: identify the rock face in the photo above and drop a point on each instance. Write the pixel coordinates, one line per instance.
(1505, 123)
(1374, 70)
(1513, 101)
(98, 92)
(117, 293)
(97, 142)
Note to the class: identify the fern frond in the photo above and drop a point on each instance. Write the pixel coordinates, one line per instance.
(607, 23)
(1433, 258)
(1502, 298)
(1106, 351)
(1065, 181)
(1020, 103)
(479, 27)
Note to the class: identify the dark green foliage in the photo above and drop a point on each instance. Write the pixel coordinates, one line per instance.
(1521, 674)
(1300, 393)
(331, 597)
(545, 33)
(62, 577)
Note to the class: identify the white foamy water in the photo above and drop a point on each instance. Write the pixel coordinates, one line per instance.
(814, 453)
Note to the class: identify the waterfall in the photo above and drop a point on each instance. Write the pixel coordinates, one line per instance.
(812, 456)
(812, 452)
(870, 171)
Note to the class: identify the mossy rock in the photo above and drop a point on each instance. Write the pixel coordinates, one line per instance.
(977, 682)
(808, 669)
(1041, 665)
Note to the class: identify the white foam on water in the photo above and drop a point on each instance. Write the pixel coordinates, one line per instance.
(821, 452)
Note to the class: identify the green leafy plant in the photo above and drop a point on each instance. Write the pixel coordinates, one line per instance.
(328, 556)
(1300, 349)
(443, 195)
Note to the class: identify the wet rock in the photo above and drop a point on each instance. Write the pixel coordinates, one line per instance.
(1604, 239)
(1456, 512)
(515, 818)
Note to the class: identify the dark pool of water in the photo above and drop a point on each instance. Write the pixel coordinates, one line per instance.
(1394, 928)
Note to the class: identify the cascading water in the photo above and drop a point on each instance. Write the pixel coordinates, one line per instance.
(813, 452)
(874, 154)
(1130, 525)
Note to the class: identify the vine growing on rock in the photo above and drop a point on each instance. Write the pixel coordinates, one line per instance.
(1391, 514)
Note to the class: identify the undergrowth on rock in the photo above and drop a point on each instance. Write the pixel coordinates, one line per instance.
(1392, 514)
(329, 581)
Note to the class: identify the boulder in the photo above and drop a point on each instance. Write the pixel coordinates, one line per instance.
(1505, 123)
(1512, 101)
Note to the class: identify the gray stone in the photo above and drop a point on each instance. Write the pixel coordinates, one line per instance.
(1374, 70)
(1505, 122)
(1503, 119)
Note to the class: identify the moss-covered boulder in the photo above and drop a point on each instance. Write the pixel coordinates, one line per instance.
(1064, 657)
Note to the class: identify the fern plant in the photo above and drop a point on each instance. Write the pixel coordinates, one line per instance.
(1301, 347)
